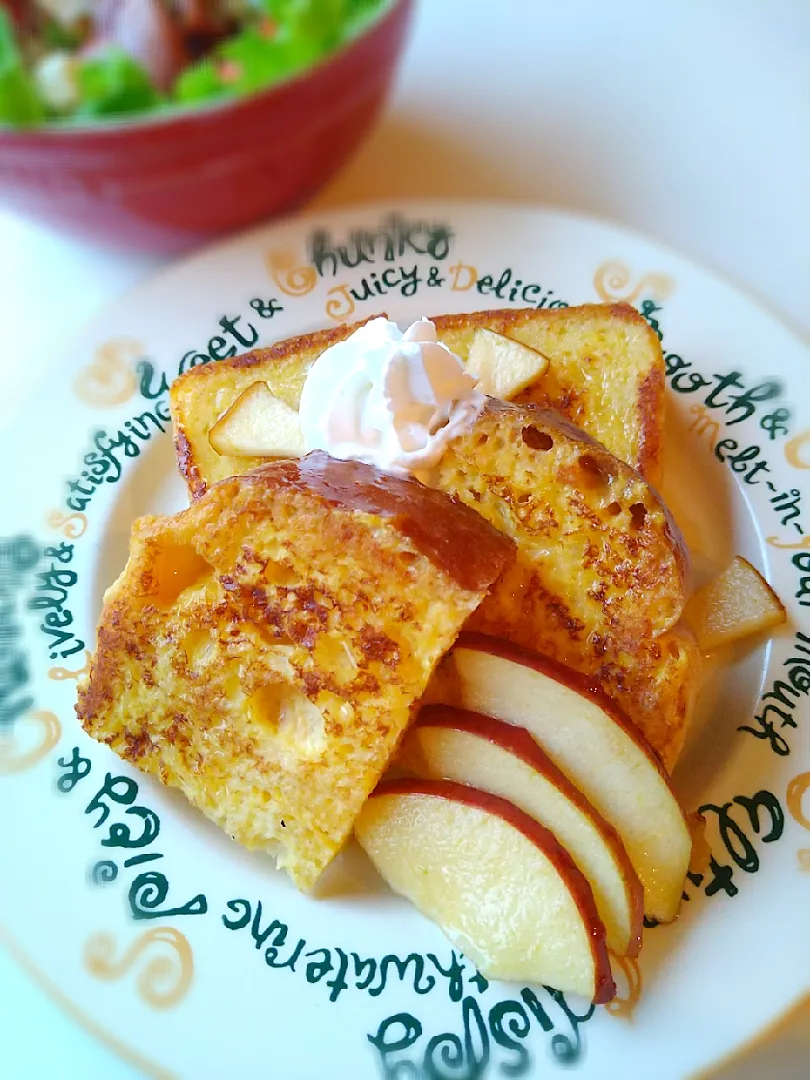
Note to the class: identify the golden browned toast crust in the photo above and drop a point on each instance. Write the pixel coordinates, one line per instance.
(601, 575)
(606, 375)
(264, 650)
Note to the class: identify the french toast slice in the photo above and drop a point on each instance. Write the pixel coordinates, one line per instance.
(264, 650)
(602, 572)
(605, 374)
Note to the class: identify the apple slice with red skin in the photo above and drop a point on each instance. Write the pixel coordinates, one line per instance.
(491, 755)
(591, 740)
(496, 881)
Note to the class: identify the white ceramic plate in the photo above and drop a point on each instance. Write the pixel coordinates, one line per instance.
(196, 959)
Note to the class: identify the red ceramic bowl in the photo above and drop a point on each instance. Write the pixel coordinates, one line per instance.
(167, 182)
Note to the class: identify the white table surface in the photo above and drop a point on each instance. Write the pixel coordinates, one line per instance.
(687, 121)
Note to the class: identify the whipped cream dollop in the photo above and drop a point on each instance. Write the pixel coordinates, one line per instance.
(388, 398)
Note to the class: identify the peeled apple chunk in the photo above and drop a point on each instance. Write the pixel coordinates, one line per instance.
(503, 366)
(258, 424)
(735, 604)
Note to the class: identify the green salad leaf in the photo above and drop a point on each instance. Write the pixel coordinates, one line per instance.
(257, 60)
(19, 102)
(201, 82)
(245, 63)
(292, 36)
(112, 83)
(319, 26)
(56, 36)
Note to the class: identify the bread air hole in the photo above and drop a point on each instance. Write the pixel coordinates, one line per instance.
(276, 573)
(613, 509)
(280, 713)
(594, 475)
(638, 514)
(175, 568)
(674, 650)
(537, 440)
